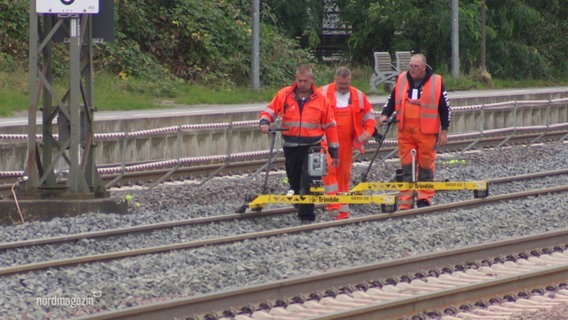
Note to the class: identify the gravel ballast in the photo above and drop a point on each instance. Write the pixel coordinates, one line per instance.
(126, 282)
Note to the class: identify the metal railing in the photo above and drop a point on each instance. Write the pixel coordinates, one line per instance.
(479, 114)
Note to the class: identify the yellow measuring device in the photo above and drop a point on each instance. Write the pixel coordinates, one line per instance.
(389, 201)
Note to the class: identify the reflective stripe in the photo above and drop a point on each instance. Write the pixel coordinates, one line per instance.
(331, 188)
(405, 193)
(368, 116)
(270, 112)
(405, 198)
(363, 116)
(429, 104)
(305, 125)
(293, 124)
(400, 93)
(428, 101)
(425, 194)
(327, 125)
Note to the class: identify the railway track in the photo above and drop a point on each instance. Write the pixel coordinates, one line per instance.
(128, 174)
(63, 263)
(451, 283)
(228, 217)
(45, 266)
(67, 241)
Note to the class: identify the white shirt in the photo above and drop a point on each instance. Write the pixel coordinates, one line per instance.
(342, 100)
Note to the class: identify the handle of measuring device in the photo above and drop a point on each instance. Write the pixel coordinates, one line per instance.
(274, 130)
(379, 138)
(269, 162)
(392, 119)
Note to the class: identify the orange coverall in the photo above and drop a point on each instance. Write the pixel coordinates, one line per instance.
(351, 120)
(418, 124)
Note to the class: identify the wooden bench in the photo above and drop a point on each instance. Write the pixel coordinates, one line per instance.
(384, 71)
(402, 60)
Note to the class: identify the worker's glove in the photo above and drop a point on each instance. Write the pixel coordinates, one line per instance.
(377, 135)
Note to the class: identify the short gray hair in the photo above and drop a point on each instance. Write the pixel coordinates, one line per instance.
(343, 72)
(421, 56)
(304, 69)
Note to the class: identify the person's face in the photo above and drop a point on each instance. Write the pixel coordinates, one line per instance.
(304, 82)
(417, 68)
(342, 84)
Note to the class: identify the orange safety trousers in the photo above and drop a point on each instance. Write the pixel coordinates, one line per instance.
(339, 178)
(411, 137)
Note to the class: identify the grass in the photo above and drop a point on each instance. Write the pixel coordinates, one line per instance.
(113, 93)
(14, 91)
(201, 95)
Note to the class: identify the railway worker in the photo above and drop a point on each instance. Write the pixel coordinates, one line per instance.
(355, 125)
(423, 117)
(308, 120)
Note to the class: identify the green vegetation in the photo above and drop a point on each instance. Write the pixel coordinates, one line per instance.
(13, 92)
(198, 51)
(114, 93)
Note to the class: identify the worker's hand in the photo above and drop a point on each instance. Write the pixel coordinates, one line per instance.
(365, 136)
(334, 162)
(264, 128)
(443, 138)
(383, 119)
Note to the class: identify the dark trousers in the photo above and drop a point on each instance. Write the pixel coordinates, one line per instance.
(300, 181)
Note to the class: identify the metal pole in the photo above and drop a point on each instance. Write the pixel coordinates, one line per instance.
(483, 66)
(455, 40)
(255, 59)
(33, 97)
(76, 180)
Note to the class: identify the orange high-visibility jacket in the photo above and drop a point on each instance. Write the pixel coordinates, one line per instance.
(305, 127)
(431, 93)
(363, 114)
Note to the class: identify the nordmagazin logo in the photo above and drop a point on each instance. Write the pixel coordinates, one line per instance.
(70, 302)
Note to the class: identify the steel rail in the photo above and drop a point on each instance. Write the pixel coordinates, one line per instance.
(408, 307)
(213, 219)
(135, 229)
(270, 233)
(202, 305)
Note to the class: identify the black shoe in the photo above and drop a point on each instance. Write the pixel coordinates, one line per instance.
(422, 203)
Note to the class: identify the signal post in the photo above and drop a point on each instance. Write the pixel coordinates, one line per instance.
(61, 177)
